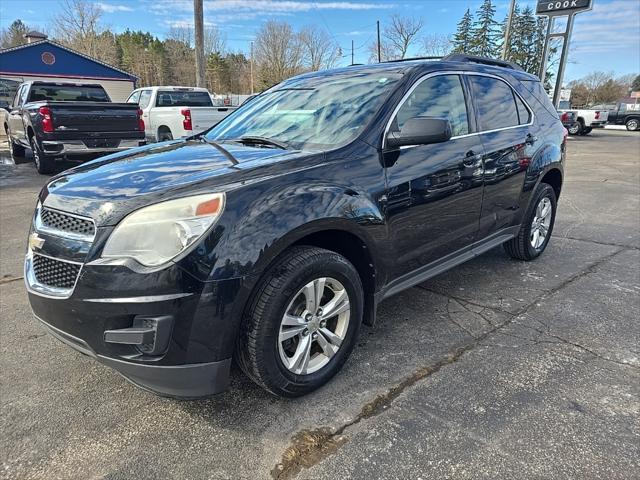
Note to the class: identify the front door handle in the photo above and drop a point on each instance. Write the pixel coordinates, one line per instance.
(531, 139)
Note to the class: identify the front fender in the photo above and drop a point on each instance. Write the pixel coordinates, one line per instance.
(269, 222)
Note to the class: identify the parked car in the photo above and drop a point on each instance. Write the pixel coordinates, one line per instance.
(272, 237)
(627, 114)
(8, 89)
(587, 120)
(177, 112)
(55, 120)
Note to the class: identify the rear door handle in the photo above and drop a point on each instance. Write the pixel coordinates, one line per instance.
(470, 159)
(531, 139)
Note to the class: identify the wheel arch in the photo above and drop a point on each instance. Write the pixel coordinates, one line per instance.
(553, 177)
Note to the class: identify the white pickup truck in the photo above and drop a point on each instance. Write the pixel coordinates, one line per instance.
(176, 112)
(587, 120)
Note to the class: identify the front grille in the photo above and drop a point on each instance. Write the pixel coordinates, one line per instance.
(55, 273)
(67, 223)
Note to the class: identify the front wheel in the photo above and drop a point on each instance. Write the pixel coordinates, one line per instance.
(632, 124)
(17, 151)
(302, 322)
(44, 163)
(537, 225)
(586, 131)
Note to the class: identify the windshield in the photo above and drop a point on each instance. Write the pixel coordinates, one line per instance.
(67, 93)
(312, 113)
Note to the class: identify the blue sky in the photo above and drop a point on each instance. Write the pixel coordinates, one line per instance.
(605, 39)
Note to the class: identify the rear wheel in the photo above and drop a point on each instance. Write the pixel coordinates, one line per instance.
(575, 129)
(586, 131)
(633, 124)
(302, 323)
(537, 225)
(164, 134)
(45, 164)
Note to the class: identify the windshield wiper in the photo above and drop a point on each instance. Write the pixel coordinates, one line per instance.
(220, 148)
(256, 140)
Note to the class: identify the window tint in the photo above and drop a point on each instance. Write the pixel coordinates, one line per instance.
(495, 104)
(440, 96)
(134, 97)
(523, 112)
(67, 93)
(183, 99)
(145, 98)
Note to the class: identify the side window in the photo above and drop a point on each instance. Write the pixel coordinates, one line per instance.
(145, 98)
(441, 96)
(16, 99)
(523, 112)
(495, 103)
(134, 97)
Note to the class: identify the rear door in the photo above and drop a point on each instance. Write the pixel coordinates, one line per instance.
(505, 124)
(434, 191)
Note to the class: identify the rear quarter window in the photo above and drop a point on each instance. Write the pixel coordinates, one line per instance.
(495, 103)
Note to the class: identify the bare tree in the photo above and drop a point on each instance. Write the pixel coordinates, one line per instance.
(278, 52)
(214, 41)
(78, 26)
(319, 50)
(387, 52)
(402, 32)
(437, 45)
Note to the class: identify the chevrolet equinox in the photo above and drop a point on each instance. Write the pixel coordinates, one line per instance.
(271, 237)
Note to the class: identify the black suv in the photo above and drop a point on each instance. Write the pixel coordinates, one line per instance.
(274, 235)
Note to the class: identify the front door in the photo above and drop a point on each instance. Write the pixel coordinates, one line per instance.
(434, 191)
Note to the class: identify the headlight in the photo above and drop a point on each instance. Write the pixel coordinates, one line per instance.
(155, 234)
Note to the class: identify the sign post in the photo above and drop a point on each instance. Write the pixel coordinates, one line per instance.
(554, 9)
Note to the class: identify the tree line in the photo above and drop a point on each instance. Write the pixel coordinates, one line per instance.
(280, 51)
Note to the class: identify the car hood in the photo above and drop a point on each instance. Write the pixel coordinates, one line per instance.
(108, 188)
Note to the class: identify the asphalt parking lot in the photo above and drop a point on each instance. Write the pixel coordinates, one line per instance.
(496, 369)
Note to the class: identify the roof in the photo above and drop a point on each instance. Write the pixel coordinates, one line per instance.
(34, 34)
(14, 56)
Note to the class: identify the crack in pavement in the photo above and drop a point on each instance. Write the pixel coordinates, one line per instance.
(10, 280)
(311, 446)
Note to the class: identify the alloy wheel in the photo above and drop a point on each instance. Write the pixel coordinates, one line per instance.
(541, 223)
(314, 326)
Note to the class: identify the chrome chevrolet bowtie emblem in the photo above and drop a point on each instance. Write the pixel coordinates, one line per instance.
(35, 241)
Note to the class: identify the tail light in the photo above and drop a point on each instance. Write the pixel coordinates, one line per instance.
(140, 120)
(597, 115)
(47, 119)
(186, 123)
(564, 117)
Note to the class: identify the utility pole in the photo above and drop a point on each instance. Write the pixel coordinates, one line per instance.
(198, 18)
(379, 48)
(352, 62)
(251, 66)
(507, 31)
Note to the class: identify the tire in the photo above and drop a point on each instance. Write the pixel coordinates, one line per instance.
(522, 246)
(575, 129)
(633, 124)
(45, 164)
(165, 135)
(270, 362)
(586, 131)
(16, 150)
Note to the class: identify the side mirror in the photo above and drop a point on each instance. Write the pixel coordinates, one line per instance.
(420, 131)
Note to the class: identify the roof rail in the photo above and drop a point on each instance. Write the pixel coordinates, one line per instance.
(412, 58)
(460, 57)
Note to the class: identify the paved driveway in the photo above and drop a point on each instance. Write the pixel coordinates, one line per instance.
(496, 369)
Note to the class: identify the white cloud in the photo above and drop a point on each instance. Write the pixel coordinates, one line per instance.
(111, 8)
(249, 9)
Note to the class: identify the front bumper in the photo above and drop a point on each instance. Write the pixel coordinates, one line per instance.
(179, 381)
(78, 147)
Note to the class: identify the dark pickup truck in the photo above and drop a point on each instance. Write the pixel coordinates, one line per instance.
(627, 114)
(56, 120)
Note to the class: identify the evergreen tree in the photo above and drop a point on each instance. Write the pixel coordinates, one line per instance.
(486, 32)
(464, 35)
(13, 35)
